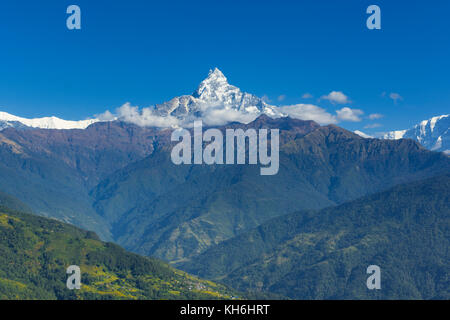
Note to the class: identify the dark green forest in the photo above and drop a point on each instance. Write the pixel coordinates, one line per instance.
(324, 254)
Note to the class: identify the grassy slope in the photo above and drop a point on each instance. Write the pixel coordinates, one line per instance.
(35, 252)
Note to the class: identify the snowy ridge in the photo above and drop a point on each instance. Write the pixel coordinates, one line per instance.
(434, 133)
(395, 135)
(362, 134)
(9, 120)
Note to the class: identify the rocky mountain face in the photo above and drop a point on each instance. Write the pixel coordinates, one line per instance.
(433, 134)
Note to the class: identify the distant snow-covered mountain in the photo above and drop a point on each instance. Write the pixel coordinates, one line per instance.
(216, 102)
(8, 120)
(362, 134)
(433, 134)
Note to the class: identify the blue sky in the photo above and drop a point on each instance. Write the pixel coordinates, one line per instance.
(147, 52)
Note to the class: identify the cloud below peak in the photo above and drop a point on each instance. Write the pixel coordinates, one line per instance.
(144, 117)
(217, 116)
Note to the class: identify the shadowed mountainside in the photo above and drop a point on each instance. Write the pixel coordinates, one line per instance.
(176, 212)
(324, 254)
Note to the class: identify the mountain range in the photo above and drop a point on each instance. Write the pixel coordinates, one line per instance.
(216, 103)
(113, 175)
(117, 179)
(176, 212)
(8, 120)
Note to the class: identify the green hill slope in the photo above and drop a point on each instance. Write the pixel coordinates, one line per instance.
(324, 254)
(35, 253)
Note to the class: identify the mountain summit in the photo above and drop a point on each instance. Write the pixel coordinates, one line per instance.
(216, 102)
(213, 85)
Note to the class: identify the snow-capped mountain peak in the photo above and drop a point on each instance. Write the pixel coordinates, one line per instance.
(9, 120)
(434, 133)
(215, 80)
(214, 87)
(216, 101)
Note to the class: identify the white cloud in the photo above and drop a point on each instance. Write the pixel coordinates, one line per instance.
(307, 96)
(375, 116)
(395, 96)
(106, 116)
(145, 117)
(219, 116)
(347, 114)
(336, 97)
(309, 112)
(142, 117)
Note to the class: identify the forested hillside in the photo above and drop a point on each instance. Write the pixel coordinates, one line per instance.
(324, 254)
(35, 253)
